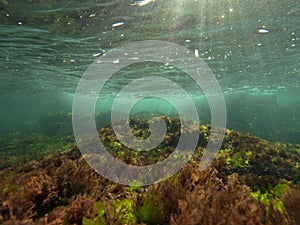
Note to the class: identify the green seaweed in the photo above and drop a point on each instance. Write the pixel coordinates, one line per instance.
(120, 211)
(271, 198)
(125, 212)
(150, 213)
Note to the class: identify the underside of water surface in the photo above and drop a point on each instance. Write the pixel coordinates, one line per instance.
(251, 47)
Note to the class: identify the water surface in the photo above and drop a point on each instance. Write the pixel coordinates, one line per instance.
(251, 46)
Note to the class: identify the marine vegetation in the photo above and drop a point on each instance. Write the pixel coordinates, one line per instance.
(18, 147)
(251, 181)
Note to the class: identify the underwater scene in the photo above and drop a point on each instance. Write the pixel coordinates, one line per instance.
(150, 112)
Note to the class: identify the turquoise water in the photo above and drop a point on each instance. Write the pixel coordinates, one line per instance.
(253, 48)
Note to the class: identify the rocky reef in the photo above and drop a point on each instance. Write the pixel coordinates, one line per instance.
(251, 181)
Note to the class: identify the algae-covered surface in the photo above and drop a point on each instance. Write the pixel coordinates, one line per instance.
(252, 50)
(251, 181)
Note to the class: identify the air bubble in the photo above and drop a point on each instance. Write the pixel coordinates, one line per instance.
(263, 30)
(117, 24)
(116, 61)
(196, 53)
(97, 54)
(142, 2)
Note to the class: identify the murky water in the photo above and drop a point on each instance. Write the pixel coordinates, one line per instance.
(252, 47)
